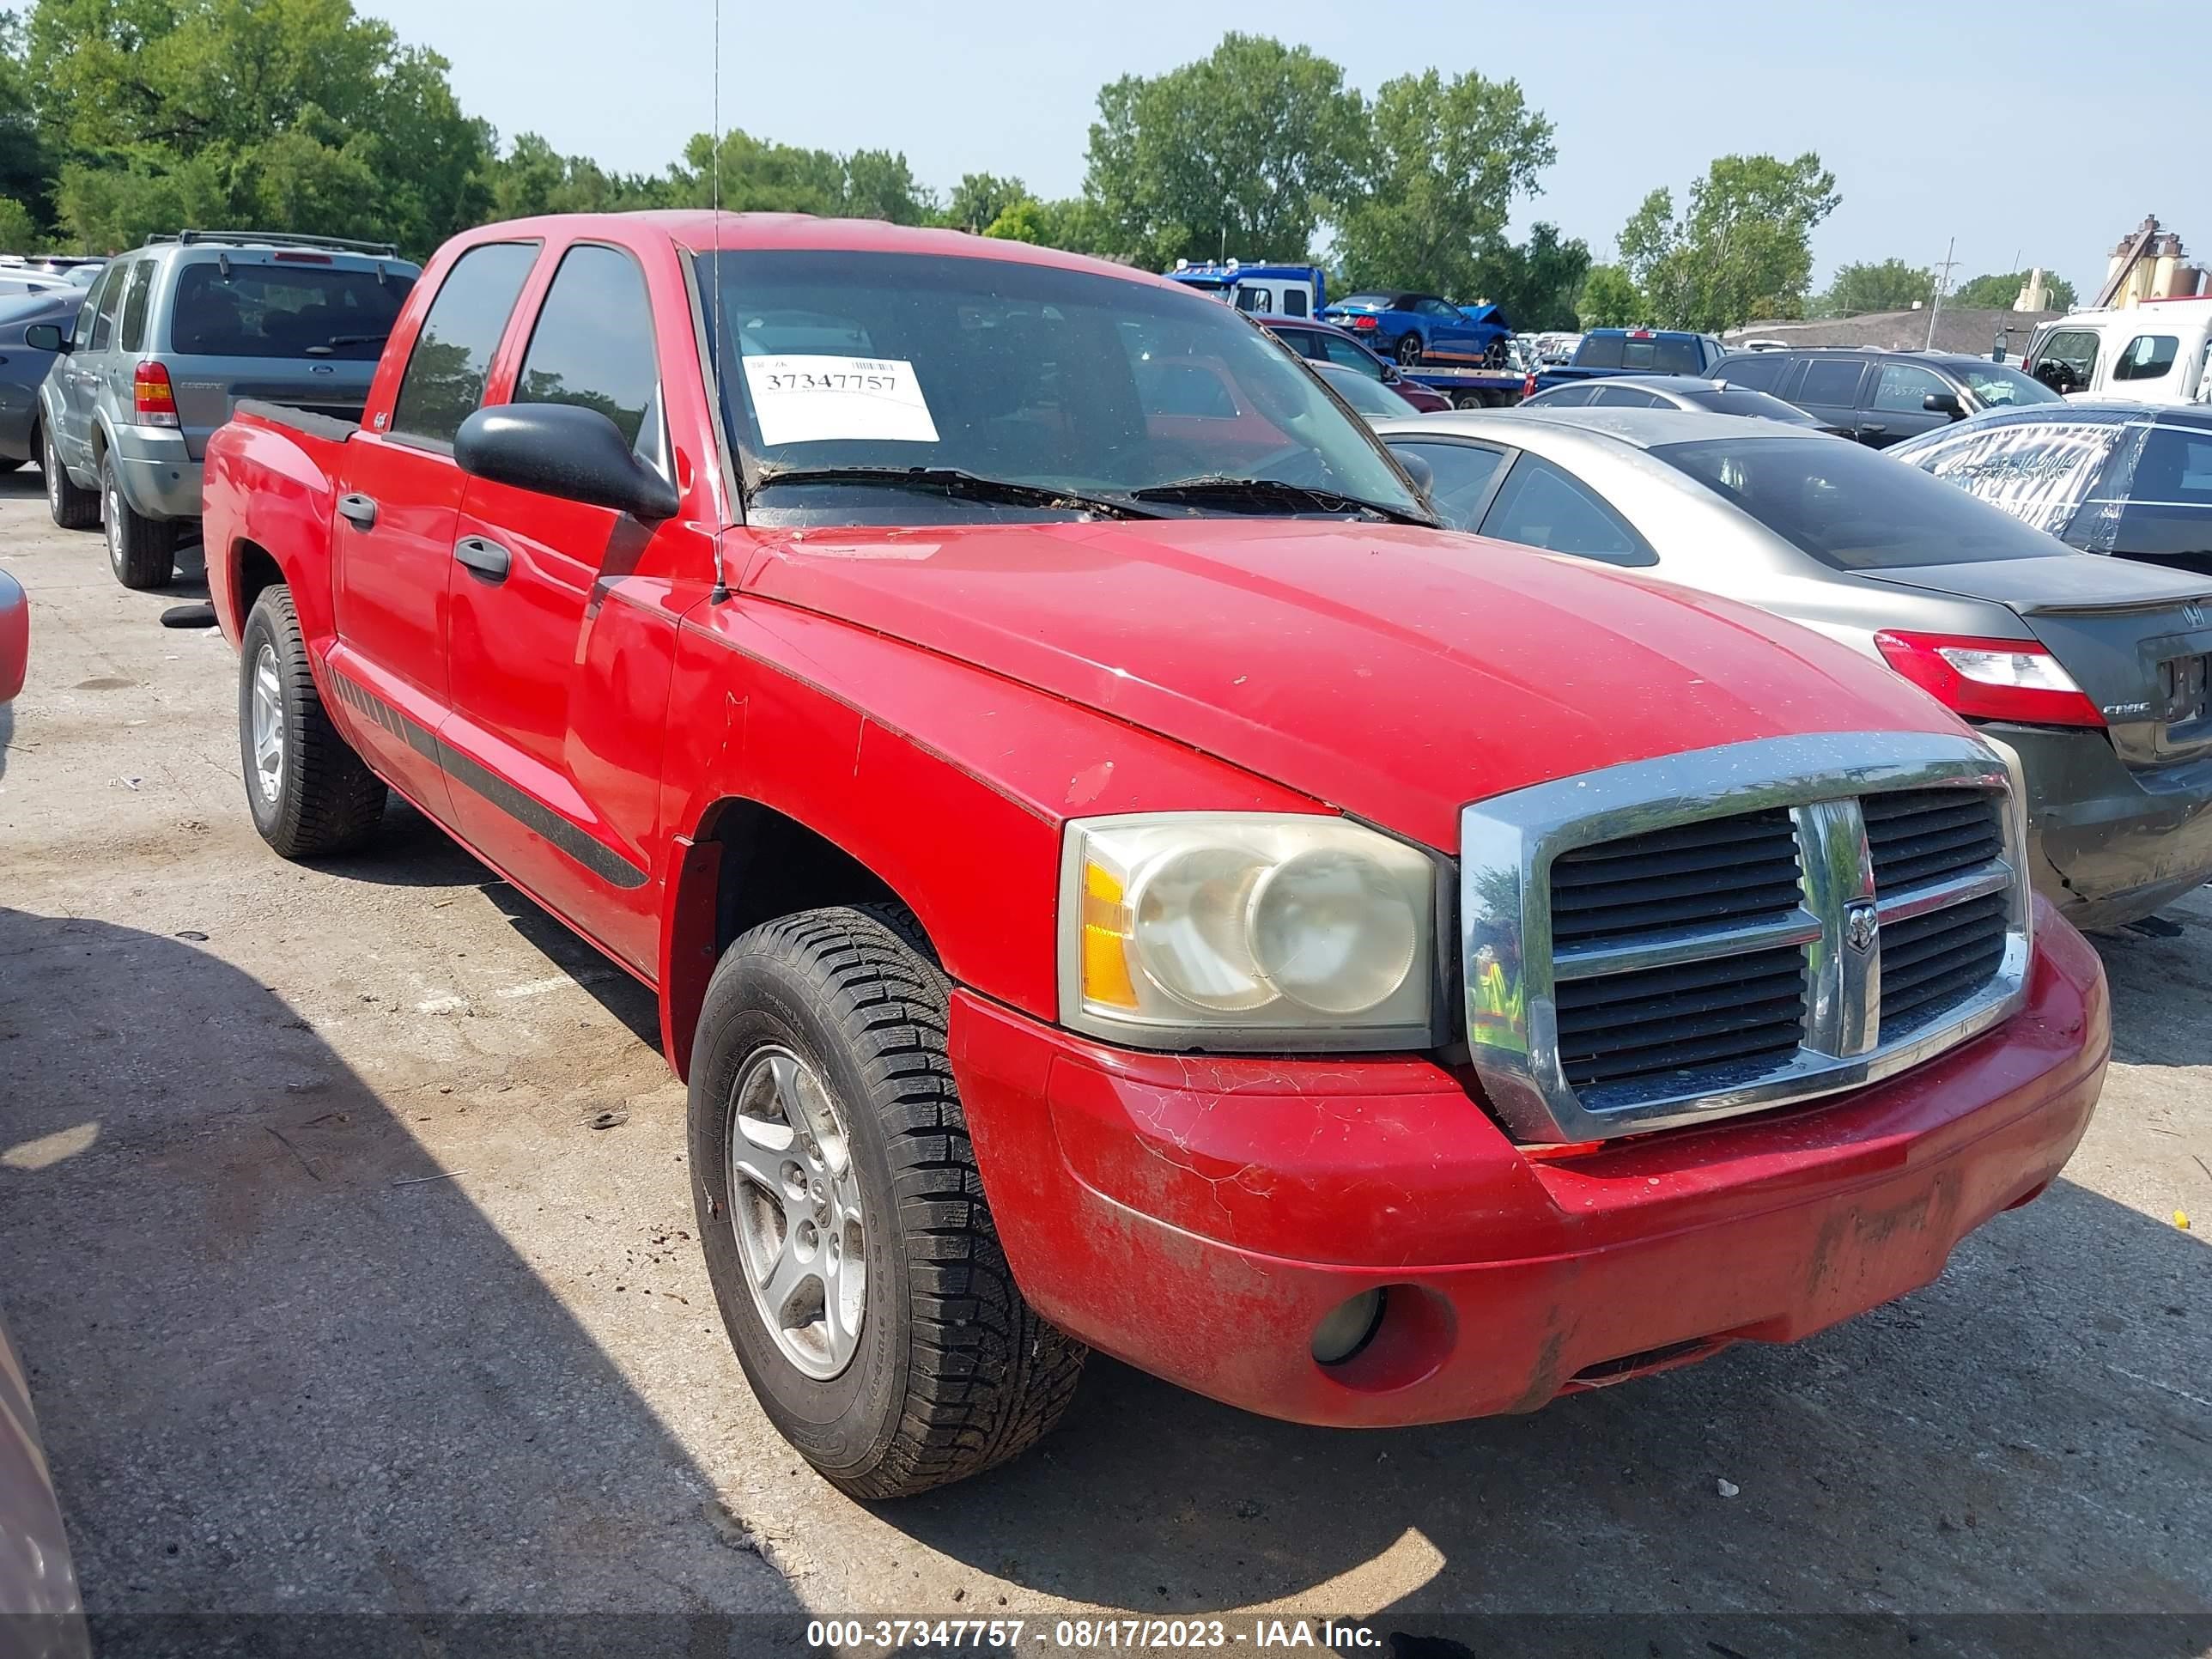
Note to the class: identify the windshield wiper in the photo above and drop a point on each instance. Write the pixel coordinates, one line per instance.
(337, 340)
(951, 481)
(1261, 493)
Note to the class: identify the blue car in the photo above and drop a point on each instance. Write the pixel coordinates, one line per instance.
(1421, 328)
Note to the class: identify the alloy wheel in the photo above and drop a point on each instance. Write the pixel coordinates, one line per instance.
(795, 1208)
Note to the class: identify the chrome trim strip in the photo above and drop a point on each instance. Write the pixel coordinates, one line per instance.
(1589, 961)
(1993, 878)
(1507, 845)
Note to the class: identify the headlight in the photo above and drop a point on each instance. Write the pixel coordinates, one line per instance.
(1245, 930)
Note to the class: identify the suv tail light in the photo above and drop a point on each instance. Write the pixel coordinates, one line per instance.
(152, 396)
(1990, 679)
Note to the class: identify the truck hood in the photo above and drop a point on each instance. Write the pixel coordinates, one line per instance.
(1394, 673)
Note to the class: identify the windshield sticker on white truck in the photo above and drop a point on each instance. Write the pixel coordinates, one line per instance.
(807, 401)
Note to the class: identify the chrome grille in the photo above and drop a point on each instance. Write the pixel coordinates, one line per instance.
(1740, 869)
(1822, 912)
(1921, 835)
(1742, 1014)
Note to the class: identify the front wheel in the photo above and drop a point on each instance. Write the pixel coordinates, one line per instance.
(847, 1236)
(141, 551)
(1409, 349)
(308, 792)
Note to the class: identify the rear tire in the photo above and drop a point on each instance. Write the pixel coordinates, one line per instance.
(72, 508)
(309, 792)
(1409, 349)
(934, 1368)
(142, 551)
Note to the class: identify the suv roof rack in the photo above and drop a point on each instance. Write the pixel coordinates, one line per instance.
(275, 239)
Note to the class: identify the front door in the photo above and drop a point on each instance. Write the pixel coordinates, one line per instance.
(562, 642)
(392, 538)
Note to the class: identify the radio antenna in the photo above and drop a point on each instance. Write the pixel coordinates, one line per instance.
(721, 593)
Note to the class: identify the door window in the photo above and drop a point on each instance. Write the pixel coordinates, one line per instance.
(1541, 506)
(1832, 381)
(1625, 397)
(1567, 397)
(134, 304)
(2077, 348)
(592, 345)
(1294, 302)
(444, 378)
(1904, 386)
(81, 333)
(111, 302)
(1349, 354)
(1759, 370)
(1462, 474)
(2149, 356)
(1438, 308)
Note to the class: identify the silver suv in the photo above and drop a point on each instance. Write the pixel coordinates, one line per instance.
(168, 338)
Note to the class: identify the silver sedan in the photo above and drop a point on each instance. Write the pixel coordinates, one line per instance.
(2094, 672)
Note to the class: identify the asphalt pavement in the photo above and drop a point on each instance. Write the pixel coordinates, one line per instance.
(337, 1300)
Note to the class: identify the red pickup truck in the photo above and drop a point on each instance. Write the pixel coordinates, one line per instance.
(1114, 873)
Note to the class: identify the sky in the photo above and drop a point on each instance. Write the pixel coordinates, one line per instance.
(1938, 121)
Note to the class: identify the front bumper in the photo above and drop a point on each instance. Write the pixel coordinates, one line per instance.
(155, 471)
(1197, 1216)
(2108, 845)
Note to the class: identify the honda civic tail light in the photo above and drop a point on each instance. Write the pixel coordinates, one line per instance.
(1990, 679)
(151, 394)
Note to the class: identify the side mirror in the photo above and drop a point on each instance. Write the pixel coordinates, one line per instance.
(1390, 374)
(45, 337)
(1944, 402)
(564, 450)
(1423, 475)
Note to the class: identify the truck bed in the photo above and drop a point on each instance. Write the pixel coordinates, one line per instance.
(312, 422)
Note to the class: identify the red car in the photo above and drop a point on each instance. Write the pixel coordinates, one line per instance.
(15, 636)
(1324, 344)
(1113, 871)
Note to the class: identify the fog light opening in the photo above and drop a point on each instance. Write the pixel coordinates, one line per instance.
(1348, 1327)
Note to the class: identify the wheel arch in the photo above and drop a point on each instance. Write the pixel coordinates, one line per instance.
(745, 863)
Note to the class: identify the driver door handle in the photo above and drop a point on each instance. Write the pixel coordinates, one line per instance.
(487, 558)
(1871, 430)
(358, 510)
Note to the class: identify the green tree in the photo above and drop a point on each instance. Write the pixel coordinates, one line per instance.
(1608, 300)
(1020, 221)
(759, 176)
(26, 172)
(1739, 250)
(236, 110)
(1892, 285)
(1997, 290)
(880, 185)
(980, 197)
(1445, 160)
(1239, 153)
(1537, 281)
(19, 231)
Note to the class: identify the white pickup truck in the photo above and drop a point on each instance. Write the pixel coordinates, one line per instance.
(2155, 352)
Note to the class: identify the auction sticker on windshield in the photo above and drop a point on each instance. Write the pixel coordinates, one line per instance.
(807, 401)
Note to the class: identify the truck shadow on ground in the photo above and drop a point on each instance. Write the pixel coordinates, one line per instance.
(2028, 1433)
(281, 1364)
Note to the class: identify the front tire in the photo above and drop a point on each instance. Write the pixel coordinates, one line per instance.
(142, 551)
(309, 792)
(1409, 349)
(72, 508)
(847, 1234)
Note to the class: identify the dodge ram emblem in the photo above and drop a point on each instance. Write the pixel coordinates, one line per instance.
(1862, 927)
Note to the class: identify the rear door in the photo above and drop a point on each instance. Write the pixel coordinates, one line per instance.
(282, 326)
(561, 647)
(1829, 390)
(392, 540)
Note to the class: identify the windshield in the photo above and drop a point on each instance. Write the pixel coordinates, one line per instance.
(1997, 387)
(1027, 374)
(1368, 397)
(1852, 509)
(326, 311)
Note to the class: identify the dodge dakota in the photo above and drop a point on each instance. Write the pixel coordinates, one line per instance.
(1116, 874)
